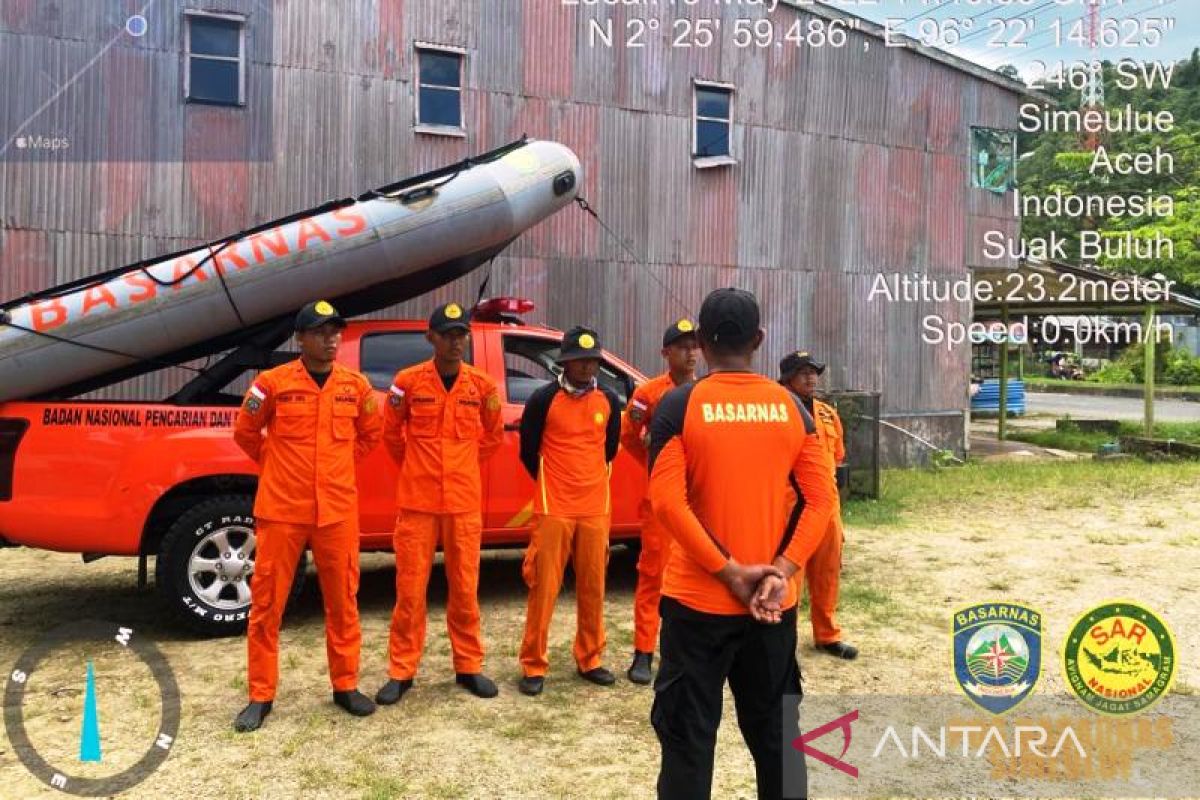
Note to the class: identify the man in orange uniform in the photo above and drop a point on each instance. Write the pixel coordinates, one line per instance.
(441, 421)
(570, 433)
(722, 450)
(801, 373)
(320, 418)
(681, 349)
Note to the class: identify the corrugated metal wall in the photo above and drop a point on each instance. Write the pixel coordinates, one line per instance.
(851, 162)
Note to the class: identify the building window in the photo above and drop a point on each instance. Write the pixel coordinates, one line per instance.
(439, 89)
(713, 128)
(216, 59)
(993, 159)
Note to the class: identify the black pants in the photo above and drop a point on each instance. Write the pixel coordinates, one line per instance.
(699, 653)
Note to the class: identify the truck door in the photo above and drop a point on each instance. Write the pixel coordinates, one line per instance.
(529, 362)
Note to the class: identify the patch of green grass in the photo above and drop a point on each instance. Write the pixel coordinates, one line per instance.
(1115, 538)
(380, 787)
(443, 789)
(1080, 387)
(315, 776)
(1045, 482)
(1075, 440)
(855, 596)
(866, 513)
(1089, 441)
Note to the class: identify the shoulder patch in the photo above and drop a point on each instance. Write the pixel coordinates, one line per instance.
(395, 396)
(255, 397)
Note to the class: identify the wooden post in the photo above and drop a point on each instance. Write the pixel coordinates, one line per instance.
(1151, 339)
(1002, 431)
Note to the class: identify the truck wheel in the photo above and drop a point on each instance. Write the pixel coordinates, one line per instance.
(205, 562)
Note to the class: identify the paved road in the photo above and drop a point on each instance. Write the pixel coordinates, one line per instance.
(1095, 407)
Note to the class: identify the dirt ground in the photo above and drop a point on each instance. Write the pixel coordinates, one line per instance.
(1060, 549)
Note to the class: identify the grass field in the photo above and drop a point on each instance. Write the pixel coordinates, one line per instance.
(1090, 441)
(1060, 536)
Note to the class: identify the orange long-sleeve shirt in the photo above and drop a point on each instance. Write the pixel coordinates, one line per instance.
(635, 422)
(721, 453)
(829, 427)
(313, 437)
(567, 446)
(439, 438)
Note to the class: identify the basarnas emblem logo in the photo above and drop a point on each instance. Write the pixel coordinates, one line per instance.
(1119, 658)
(997, 654)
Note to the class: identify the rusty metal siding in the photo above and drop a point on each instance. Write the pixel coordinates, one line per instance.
(852, 162)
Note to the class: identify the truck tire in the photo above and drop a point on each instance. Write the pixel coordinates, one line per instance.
(205, 562)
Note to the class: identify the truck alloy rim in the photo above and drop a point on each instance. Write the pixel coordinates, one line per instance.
(221, 565)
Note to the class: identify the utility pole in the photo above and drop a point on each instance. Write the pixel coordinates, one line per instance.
(1093, 93)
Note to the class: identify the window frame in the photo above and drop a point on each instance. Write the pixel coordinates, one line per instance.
(727, 159)
(191, 14)
(973, 158)
(607, 362)
(364, 368)
(431, 128)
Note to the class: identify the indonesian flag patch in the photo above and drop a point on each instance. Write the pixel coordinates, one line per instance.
(637, 410)
(255, 398)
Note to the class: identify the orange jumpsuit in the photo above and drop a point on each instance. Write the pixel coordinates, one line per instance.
(567, 445)
(439, 438)
(824, 567)
(635, 427)
(307, 497)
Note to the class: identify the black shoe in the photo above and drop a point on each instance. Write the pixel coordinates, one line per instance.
(392, 691)
(252, 717)
(355, 702)
(599, 676)
(639, 671)
(532, 685)
(840, 649)
(477, 684)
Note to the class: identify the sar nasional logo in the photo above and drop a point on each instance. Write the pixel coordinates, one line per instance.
(1119, 658)
(92, 709)
(997, 653)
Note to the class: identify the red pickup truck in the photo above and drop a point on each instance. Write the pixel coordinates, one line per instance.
(139, 479)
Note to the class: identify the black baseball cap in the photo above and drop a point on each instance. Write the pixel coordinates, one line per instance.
(448, 317)
(314, 315)
(680, 329)
(792, 363)
(729, 317)
(580, 342)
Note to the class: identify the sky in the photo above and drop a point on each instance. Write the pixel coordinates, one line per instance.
(1177, 42)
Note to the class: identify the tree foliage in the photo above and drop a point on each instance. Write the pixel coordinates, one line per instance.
(1058, 161)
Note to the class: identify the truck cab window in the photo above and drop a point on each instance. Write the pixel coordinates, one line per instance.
(384, 354)
(529, 362)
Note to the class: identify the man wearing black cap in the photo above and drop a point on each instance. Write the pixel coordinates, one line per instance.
(801, 373)
(722, 450)
(681, 350)
(570, 433)
(320, 419)
(441, 421)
